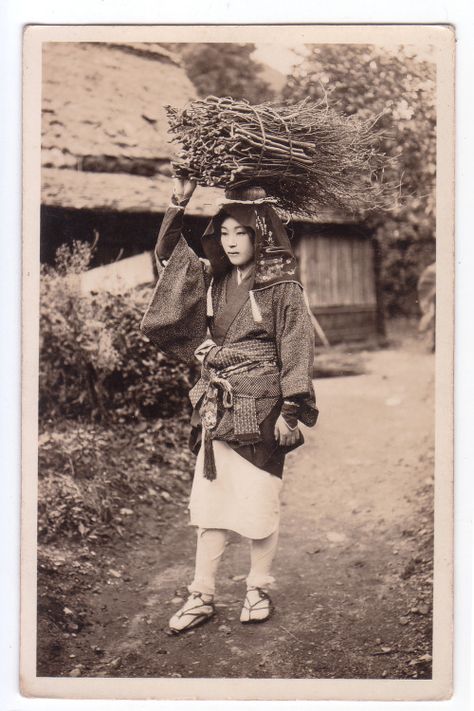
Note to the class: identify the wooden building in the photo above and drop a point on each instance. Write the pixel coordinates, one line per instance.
(339, 268)
(106, 175)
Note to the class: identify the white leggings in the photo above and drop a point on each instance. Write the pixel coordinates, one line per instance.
(209, 549)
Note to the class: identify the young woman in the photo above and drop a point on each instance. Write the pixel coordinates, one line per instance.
(243, 315)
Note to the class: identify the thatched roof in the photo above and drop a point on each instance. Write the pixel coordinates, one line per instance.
(105, 141)
(104, 102)
(118, 192)
(133, 193)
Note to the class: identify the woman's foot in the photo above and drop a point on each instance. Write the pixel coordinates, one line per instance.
(257, 606)
(197, 609)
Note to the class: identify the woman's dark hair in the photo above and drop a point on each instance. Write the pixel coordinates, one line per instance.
(223, 216)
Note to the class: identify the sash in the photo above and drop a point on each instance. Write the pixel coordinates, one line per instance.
(225, 385)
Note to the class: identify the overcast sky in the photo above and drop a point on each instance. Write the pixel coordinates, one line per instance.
(279, 56)
(283, 56)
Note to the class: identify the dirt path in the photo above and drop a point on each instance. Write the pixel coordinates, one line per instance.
(353, 592)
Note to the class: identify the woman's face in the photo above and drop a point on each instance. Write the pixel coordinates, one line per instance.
(237, 242)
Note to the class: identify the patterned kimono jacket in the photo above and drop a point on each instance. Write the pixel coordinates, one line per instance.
(254, 339)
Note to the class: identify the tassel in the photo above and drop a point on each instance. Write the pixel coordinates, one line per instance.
(209, 462)
(256, 313)
(210, 308)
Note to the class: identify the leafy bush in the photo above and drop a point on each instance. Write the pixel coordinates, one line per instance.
(94, 361)
(92, 479)
(224, 69)
(399, 85)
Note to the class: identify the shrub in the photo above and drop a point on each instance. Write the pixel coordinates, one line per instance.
(95, 363)
(92, 479)
(400, 86)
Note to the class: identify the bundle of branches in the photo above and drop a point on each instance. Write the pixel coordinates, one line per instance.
(306, 155)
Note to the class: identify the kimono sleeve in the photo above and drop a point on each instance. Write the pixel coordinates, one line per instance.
(294, 337)
(176, 319)
(169, 234)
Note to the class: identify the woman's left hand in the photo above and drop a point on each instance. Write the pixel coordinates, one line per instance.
(285, 436)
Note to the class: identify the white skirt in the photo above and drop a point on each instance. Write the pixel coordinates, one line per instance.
(242, 497)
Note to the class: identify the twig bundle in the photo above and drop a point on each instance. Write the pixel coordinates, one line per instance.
(306, 155)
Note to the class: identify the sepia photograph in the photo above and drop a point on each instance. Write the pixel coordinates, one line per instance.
(237, 373)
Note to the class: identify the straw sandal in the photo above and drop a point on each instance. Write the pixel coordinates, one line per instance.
(194, 612)
(258, 606)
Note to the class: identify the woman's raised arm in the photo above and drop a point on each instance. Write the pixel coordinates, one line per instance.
(172, 224)
(176, 317)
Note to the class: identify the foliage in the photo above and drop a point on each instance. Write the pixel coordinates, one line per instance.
(94, 361)
(92, 479)
(96, 365)
(367, 81)
(225, 69)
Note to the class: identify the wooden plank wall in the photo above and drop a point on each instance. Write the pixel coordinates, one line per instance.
(337, 269)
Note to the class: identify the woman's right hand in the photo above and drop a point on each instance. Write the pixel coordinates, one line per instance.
(285, 435)
(183, 188)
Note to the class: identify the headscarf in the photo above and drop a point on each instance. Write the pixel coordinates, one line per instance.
(274, 260)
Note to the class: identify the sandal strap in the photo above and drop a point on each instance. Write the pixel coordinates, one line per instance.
(194, 614)
(190, 613)
(264, 598)
(195, 611)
